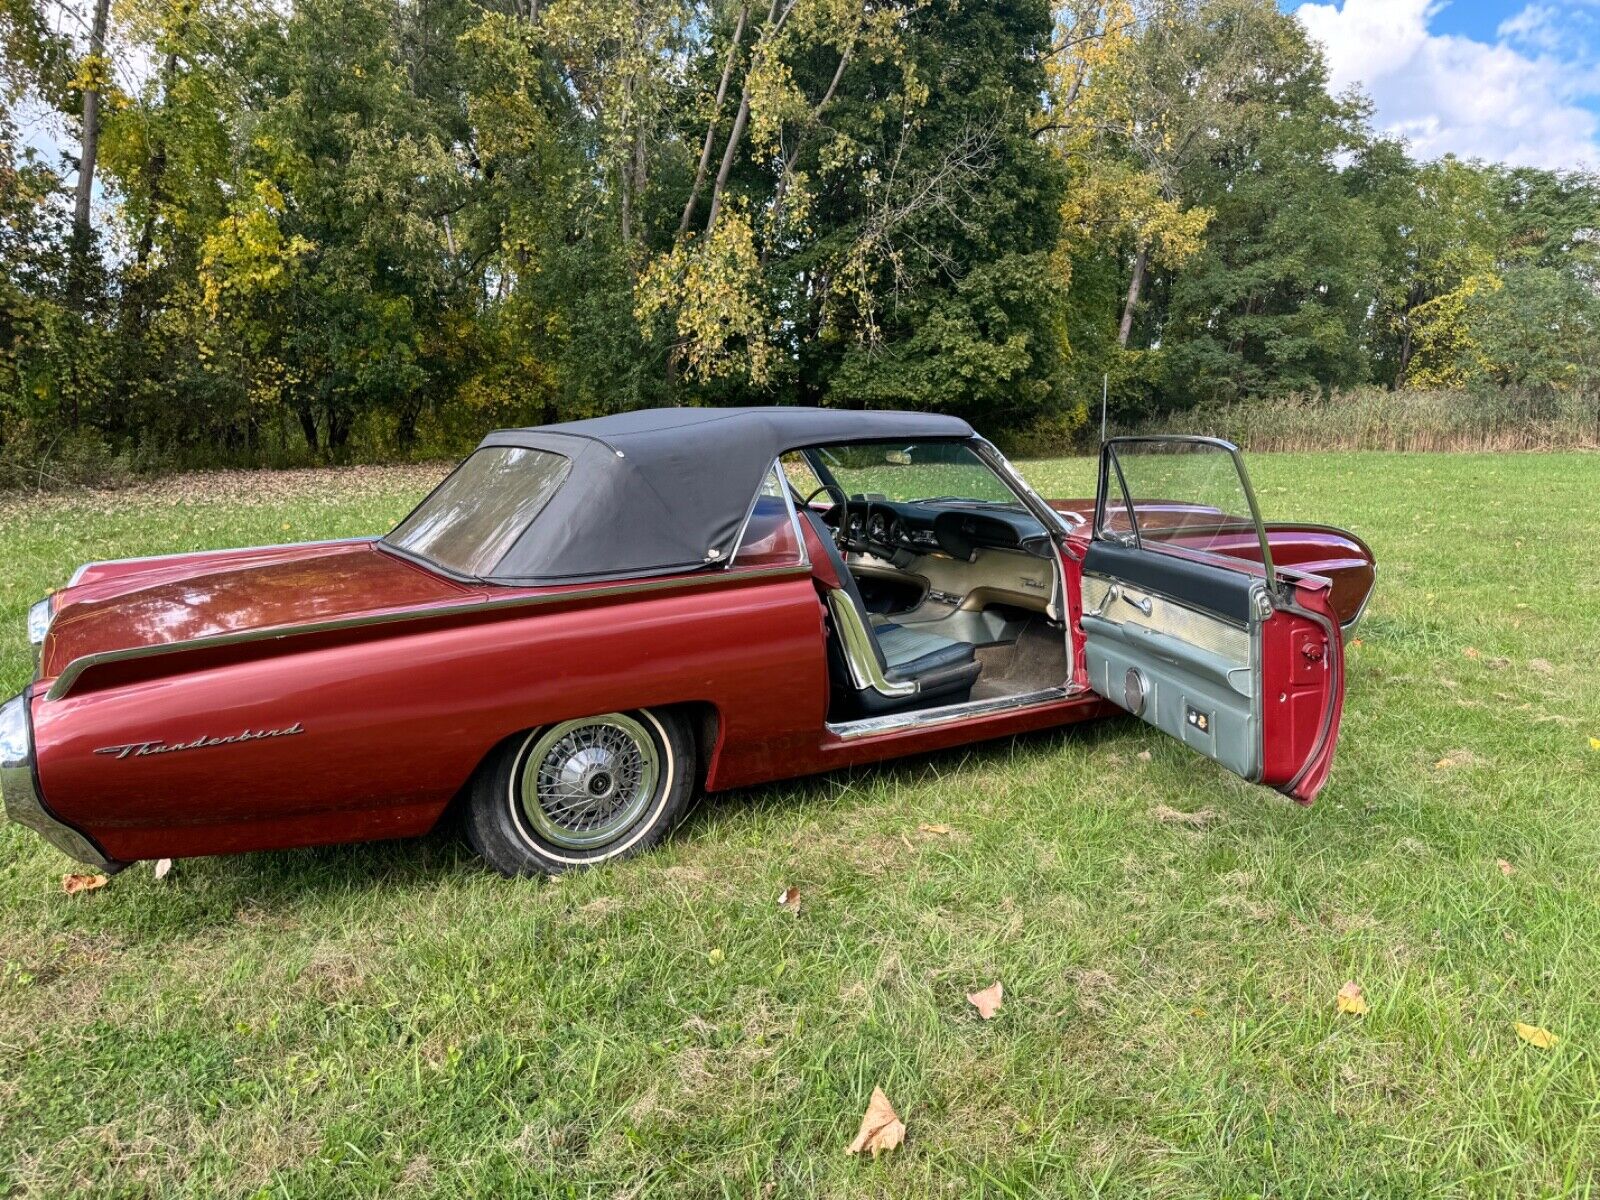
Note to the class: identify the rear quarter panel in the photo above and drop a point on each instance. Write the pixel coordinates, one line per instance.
(397, 717)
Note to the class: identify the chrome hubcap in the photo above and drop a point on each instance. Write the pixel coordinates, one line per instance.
(584, 782)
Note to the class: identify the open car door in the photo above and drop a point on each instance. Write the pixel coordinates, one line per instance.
(1188, 629)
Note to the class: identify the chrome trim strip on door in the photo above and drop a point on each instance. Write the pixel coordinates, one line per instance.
(113, 562)
(929, 717)
(75, 669)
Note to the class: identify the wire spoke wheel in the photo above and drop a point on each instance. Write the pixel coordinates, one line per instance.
(582, 783)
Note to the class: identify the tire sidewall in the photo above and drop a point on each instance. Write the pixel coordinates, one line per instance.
(499, 830)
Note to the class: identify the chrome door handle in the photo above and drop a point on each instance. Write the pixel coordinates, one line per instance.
(1110, 598)
(1142, 603)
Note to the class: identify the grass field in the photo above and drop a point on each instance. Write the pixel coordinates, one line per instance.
(390, 1020)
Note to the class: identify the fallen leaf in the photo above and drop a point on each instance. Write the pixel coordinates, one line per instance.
(1505, 867)
(716, 957)
(881, 1127)
(1535, 1036)
(163, 865)
(1198, 819)
(1144, 756)
(790, 898)
(1471, 652)
(73, 884)
(1356, 642)
(941, 830)
(1540, 666)
(1351, 999)
(987, 1002)
(1594, 743)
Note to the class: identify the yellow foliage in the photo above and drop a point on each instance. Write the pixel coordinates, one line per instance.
(1116, 201)
(712, 289)
(1446, 354)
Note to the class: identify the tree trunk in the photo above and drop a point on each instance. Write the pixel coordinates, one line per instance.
(339, 425)
(308, 424)
(91, 133)
(1141, 260)
(781, 194)
(711, 125)
(1405, 359)
(739, 122)
(774, 24)
(82, 245)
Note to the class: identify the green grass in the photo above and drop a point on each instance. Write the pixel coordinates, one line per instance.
(390, 1020)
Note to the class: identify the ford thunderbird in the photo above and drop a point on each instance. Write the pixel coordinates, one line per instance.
(586, 623)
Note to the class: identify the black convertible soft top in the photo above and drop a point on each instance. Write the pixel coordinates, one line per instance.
(668, 489)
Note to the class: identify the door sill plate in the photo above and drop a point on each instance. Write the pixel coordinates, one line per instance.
(925, 718)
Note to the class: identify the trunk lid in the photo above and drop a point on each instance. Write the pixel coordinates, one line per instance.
(125, 606)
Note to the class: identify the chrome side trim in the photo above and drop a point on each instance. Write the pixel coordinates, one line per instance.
(856, 638)
(20, 791)
(1258, 699)
(928, 717)
(69, 677)
(110, 562)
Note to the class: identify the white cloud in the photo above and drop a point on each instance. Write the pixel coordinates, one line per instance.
(1538, 26)
(1513, 100)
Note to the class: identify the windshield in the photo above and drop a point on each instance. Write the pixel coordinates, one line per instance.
(471, 519)
(912, 472)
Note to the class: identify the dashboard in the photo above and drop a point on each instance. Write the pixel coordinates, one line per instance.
(956, 528)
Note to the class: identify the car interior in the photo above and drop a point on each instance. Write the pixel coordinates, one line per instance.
(951, 589)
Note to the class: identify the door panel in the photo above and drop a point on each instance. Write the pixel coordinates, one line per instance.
(1239, 662)
(1184, 669)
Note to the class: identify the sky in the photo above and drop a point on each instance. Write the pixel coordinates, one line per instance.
(1514, 81)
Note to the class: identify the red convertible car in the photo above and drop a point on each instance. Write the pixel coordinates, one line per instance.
(585, 623)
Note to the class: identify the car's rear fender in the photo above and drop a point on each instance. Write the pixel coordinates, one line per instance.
(374, 731)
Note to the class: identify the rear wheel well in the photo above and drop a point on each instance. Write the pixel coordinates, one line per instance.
(700, 715)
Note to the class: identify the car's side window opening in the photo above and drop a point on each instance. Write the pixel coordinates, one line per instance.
(770, 538)
(949, 586)
(469, 521)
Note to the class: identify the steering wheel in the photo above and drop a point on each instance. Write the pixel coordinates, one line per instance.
(840, 502)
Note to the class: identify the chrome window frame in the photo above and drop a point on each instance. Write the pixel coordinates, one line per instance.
(774, 467)
(1108, 458)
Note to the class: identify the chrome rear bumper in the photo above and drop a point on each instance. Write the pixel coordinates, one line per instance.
(20, 792)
